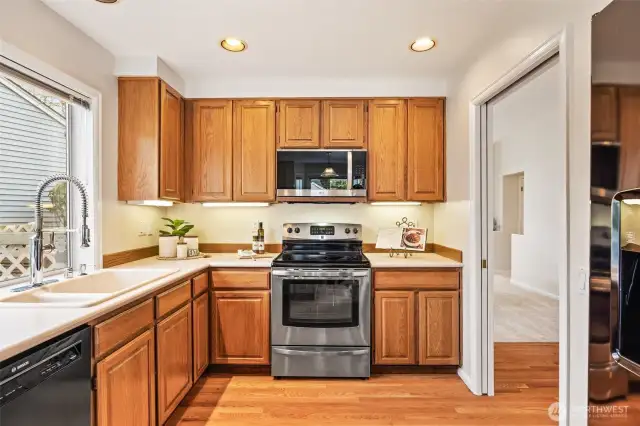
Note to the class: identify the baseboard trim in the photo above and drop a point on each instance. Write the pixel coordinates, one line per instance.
(115, 259)
(467, 381)
(533, 289)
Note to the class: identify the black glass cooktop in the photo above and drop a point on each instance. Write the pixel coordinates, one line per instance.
(322, 254)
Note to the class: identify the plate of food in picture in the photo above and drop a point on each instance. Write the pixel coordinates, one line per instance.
(414, 238)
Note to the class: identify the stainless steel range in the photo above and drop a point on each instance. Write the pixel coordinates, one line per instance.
(321, 303)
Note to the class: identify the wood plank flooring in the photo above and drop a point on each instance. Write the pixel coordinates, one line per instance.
(526, 384)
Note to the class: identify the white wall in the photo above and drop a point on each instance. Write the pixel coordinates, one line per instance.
(38, 31)
(526, 132)
(234, 224)
(453, 223)
(309, 87)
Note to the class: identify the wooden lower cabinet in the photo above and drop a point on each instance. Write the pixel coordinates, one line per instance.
(416, 328)
(174, 353)
(394, 327)
(126, 386)
(240, 327)
(200, 335)
(438, 328)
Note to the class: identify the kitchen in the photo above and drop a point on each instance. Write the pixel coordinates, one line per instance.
(223, 157)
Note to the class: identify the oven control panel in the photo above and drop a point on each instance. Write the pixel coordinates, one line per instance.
(322, 231)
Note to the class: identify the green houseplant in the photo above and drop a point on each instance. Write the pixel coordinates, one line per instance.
(178, 228)
(168, 243)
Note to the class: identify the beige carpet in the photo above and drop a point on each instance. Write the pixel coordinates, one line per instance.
(521, 315)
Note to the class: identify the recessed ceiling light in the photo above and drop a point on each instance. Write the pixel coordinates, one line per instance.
(107, 1)
(233, 44)
(423, 44)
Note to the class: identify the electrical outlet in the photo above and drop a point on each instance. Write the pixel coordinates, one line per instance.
(145, 230)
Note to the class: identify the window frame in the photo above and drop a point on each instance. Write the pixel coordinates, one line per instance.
(34, 68)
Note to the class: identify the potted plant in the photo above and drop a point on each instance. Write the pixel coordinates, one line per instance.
(168, 243)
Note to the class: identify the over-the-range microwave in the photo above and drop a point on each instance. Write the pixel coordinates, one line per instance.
(318, 175)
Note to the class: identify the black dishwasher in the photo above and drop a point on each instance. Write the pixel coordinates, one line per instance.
(49, 384)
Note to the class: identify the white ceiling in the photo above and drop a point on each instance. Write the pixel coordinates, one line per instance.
(303, 38)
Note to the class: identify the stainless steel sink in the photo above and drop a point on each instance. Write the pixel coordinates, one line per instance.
(87, 290)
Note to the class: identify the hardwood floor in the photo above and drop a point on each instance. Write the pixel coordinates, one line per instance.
(526, 384)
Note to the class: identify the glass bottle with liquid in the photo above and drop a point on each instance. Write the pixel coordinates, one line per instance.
(260, 239)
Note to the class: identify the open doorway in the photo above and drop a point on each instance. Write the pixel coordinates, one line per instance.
(524, 135)
(523, 171)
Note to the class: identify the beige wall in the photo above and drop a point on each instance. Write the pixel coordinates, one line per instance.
(234, 224)
(453, 221)
(38, 31)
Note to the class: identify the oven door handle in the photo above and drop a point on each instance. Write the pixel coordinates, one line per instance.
(314, 353)
(297, 274)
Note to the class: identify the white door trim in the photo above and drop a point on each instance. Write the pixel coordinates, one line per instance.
(483, 323)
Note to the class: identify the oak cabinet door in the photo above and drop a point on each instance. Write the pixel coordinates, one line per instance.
(604, 113)
(387, 150)
(126, 385)
(299, 124)
(425, 150)
(241, 327)
(394, 327)
(171, 143)
(629, 137)
(211, 171)
(175, 375)
(438, 328)
(343, 124)
(254, 151)
(200, 335)
(138, 138)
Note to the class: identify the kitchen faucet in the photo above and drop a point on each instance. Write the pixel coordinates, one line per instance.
(37, 247)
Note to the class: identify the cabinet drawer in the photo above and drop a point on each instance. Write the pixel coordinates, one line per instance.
(418, 280)
(173, 298)
(117, 330)
(258, 279)
(200, 284)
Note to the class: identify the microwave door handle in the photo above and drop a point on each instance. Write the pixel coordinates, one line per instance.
(314, 353)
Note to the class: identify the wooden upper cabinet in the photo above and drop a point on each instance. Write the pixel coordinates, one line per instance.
(175, 374)
(150, 140)
(387, 150)
(126, 385)
(254, 151)
(394, 326)
(604, 113)
(438, 328)
(343, 124)
(629, 175)
(299, 124)
(211, 151)
(171, 143)
(240, 327)
(425, 150)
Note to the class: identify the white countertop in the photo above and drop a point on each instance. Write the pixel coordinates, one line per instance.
(418, 260)
(24, 328)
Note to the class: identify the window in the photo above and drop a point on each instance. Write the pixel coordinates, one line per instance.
(37, 125)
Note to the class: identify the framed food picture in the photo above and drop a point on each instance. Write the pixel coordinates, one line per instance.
(414, 239)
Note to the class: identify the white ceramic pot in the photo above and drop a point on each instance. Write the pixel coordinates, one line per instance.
(182, 251)
(193, 245)
(168, 246)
